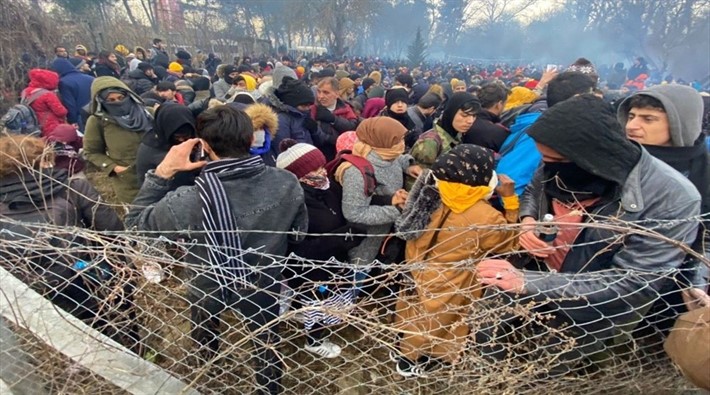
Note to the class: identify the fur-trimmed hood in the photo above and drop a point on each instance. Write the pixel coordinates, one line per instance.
(263, 117)
(423, 200)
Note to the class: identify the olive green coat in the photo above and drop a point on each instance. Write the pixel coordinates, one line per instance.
(107, 145)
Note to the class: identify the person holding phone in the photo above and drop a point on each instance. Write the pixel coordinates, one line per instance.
(229, 265)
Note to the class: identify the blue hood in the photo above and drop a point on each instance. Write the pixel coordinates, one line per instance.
(63, 67)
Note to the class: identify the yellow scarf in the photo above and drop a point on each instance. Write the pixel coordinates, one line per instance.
(460, 197)
(362, 150)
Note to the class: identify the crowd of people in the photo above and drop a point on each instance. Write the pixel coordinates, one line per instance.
(324, 157)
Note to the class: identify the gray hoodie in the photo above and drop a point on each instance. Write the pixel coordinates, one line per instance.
(684, 107)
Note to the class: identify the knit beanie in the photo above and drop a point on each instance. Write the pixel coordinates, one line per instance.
(346, 141)
(300, 159)
(183, 55)
(376, 91)
(395, 95)
(294, 93)
(585, 130)
(175, 67)
(367, 83)
(145, 66)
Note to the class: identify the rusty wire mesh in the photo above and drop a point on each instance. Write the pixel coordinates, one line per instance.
(136, 293)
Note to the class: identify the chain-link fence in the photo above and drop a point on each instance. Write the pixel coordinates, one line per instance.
(88, 312)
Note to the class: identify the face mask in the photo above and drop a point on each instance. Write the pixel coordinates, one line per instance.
(493, 184)
(567, 182)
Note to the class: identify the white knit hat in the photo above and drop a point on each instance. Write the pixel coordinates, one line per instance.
(300, 158)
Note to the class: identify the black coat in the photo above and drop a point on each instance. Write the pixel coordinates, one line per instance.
(139, 82)
(325, 215)
(487, 131)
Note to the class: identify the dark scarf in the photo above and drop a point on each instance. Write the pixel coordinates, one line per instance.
(569, 183)
(128, 113)
(454, 104)
(222, 234)
(692, 162)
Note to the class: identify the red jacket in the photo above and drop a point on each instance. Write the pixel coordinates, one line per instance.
(49, 109)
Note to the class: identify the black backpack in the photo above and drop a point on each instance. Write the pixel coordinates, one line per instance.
(21, 118)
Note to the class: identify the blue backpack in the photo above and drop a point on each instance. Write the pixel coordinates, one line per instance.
(21, 118)
(519, 157)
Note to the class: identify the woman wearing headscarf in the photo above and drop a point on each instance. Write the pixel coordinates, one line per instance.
(347, 89)
(449, 224)
(457, 118)
(321, 285)
(113, 133)
(381, 143)
(174, 124)
(107, 65)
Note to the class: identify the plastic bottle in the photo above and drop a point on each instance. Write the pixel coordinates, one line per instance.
(545, 230)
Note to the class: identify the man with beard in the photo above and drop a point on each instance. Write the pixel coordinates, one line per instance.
(594, 282)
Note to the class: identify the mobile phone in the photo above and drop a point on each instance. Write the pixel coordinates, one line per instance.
(551, 67)
(198, 153)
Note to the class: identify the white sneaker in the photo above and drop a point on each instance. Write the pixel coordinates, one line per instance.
(324, 349)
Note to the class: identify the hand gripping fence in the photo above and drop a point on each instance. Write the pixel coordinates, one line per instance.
(117, 313)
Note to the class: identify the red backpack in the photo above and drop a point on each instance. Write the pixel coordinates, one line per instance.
(360, 163)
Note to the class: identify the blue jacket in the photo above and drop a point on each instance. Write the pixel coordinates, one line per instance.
(519, 155)
(74, 88)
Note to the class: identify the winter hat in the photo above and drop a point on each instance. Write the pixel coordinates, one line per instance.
(429, 100)
(345, 84)
(584, 66)
(585, 130)
(80, 48)
(200, 84)
(346, 141)
(280, 72)
(300, 159)
(367, 83)
(121, 49)
(376, 76)
(63, 133)
(244, 98)
(327, 72)
(395, 95)
(300, 70)
(175, 67)
(467, 164)
(294, 93)
(531, 84)
(183, 55)
(145, 66)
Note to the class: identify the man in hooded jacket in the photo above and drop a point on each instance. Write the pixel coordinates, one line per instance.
(74, 90)
(605, 284)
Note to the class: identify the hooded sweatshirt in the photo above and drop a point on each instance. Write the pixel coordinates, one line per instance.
(74, 88)
(49, 109)
(688, 153)
(170, 118)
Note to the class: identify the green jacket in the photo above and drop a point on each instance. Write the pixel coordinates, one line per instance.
(107, 145)
(428, 147)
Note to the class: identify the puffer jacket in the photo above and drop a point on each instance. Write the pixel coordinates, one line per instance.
(49, 109)
(291, 123)
(138, 81)
(619, 274)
